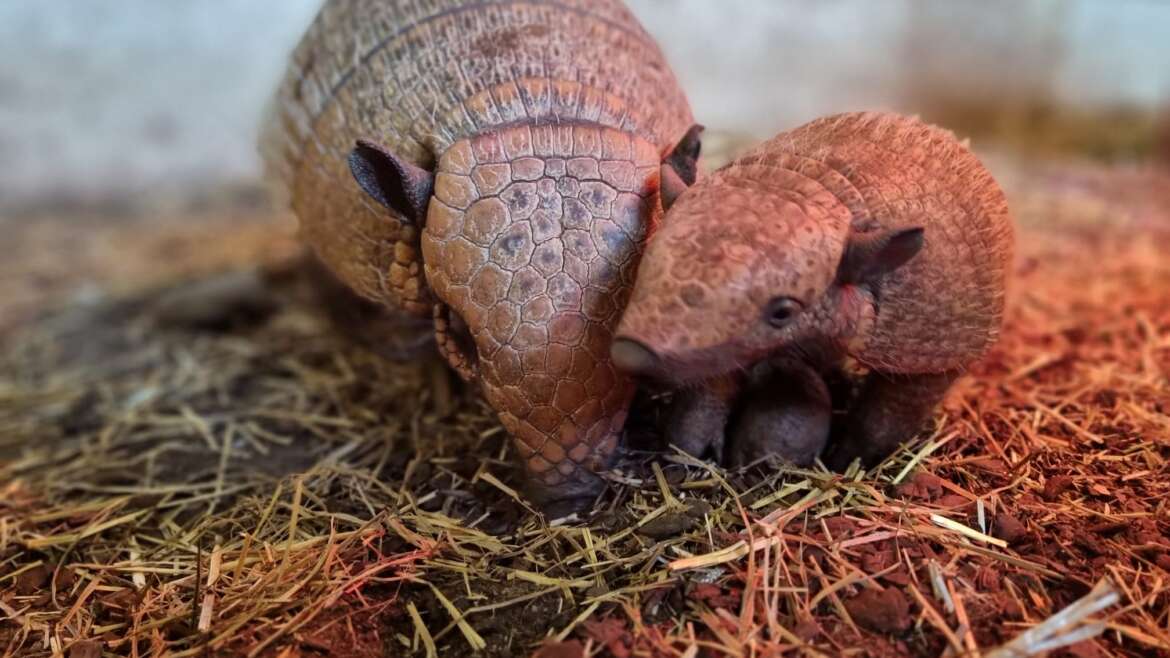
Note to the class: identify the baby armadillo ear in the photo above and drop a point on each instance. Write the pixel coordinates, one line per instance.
(391, 180)
(870, 255)
(680, 167)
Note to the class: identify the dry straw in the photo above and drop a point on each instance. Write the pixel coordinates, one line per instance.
(273, 490)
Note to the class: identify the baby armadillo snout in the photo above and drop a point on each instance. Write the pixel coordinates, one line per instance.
(633, 357)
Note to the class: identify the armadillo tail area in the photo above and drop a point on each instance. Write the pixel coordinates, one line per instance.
(943, 309)
(405, 73)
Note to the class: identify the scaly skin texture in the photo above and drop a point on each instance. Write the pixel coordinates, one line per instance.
(827, 220)
(533, 239)
(544, 124)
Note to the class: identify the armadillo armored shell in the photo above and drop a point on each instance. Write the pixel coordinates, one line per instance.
(544, 124)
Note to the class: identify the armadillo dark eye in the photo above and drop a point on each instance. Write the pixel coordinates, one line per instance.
(781, 310)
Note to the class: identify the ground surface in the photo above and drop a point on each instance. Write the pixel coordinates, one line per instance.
(255, 483)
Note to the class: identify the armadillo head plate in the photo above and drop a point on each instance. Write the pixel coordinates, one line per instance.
(532, 238)
(734, 254)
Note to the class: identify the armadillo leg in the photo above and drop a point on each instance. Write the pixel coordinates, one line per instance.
(388, 332)
(890, 410)
(785, 414)
(697, 418)
(455, 343)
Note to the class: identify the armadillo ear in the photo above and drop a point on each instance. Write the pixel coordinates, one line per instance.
(870, 255)
(680, 167)
(670, 186)
(392, 181)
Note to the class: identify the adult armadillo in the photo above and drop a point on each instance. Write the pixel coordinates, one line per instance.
(509, 154)
(865, 235)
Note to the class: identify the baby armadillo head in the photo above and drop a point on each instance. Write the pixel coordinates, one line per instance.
(748, 263)
(531, 239)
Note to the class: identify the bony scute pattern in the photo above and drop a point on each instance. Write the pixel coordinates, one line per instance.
(782, 218)
(506, 173)
(533, 241)
(725, 249)
(944, 309)
(865, 236)
(419, 76)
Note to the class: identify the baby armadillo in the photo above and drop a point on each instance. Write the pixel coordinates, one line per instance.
(494, 165)
(866, 236)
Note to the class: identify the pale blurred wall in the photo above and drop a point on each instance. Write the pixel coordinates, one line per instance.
(101, 97)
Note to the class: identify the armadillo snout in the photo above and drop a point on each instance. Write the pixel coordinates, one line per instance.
(633, 357)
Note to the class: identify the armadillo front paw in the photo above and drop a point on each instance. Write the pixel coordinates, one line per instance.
(890, 411)
(696, 421)
(784, 412)
(792, 431)
(870, 439)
